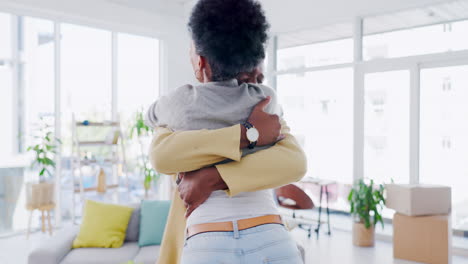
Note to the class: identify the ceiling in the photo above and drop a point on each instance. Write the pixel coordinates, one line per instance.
(163, 7)
(313, 35)
(374, 24)
(308, 20)
(428, 15)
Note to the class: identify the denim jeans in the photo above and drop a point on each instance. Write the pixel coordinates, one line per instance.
(270, 243)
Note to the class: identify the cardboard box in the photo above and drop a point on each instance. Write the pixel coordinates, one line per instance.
(419, 199)
(426, 239)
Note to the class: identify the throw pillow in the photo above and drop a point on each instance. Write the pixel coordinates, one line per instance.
(152, 222)
(133, 229)
(103, 225)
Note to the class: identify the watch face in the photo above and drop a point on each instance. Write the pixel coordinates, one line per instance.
(252, 134)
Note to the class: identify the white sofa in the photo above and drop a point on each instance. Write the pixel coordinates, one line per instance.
(58, 249)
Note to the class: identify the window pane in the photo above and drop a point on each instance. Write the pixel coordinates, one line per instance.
(6, 89)
(417, 41)
(324, 53)
(86, 67)
(5, 36)
(6, 112)
(138, 73)
(386, 147)
(318, 106)
(138, 84)
(444, 135)
(38, 73)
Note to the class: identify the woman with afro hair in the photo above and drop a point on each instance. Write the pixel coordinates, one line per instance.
(236, 221)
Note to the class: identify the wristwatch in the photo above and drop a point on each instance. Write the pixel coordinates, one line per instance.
(252, 134)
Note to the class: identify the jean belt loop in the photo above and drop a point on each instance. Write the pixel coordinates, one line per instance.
(235, 229)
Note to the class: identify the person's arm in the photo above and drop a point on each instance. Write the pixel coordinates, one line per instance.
(173, 152)
(283, 163)
(270, 168)
(182, 151)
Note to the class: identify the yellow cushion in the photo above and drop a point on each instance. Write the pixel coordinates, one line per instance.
(103, 226)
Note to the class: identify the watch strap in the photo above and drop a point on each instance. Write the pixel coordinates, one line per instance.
(252, 145)
(248, 125)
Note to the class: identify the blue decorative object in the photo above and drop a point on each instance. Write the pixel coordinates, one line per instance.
(86, 122)
(153, 222)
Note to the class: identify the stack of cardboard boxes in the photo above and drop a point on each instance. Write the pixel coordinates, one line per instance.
(421, 225)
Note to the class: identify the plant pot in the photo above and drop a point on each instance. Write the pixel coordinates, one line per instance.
(362, 236)
(39, 195)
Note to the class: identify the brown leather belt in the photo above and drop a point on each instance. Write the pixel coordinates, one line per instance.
(228, 226)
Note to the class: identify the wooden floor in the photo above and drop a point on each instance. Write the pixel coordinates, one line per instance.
(334, 249)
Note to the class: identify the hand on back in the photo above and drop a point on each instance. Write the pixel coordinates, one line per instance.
(268, 125)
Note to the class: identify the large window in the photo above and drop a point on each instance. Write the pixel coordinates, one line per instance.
(421, 135)
(89, 62)
(444, 134)
(407, 99)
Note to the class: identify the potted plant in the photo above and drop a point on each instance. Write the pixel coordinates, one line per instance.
(367, 201)
(44, 149)
(40, 195)
(140, 130)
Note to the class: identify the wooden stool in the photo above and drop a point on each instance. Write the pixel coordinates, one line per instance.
(45, 210)
(40, 196)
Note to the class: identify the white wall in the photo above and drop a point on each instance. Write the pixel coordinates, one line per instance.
(179, 70)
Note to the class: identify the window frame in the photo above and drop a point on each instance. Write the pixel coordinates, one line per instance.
(362, 67)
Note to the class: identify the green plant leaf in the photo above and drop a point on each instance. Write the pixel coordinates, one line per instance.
(366, 202)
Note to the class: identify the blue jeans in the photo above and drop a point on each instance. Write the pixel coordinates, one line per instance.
(269, 243)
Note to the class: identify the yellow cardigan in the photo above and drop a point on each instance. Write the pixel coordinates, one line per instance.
(173, 152)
